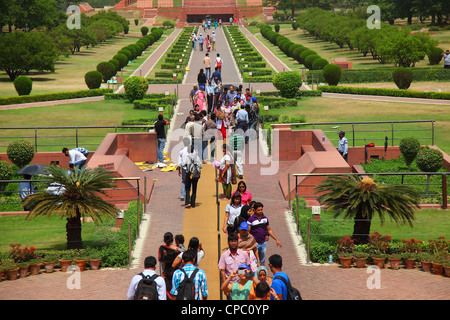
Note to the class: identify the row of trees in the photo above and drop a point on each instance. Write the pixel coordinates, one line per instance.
(38, 50)
(387, 44)
(438, 10)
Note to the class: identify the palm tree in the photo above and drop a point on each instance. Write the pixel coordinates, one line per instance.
(351, 197)
(79, 196)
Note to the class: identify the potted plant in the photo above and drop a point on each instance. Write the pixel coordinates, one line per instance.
(425, 261)
(2, 271)
(94, 261)
(11, 268)
(409, 258)
(35, 266)
(23, 269)
(360, 259)
(80, 259)
(446, 266)
(410, 251)
(438, 262)
(394, 261)
(378, 248)
(65, 260)
(49, 263)
(345, 248)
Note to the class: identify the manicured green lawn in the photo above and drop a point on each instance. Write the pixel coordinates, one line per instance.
(100, 113)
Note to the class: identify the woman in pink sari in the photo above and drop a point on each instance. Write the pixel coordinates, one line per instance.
(200, 98)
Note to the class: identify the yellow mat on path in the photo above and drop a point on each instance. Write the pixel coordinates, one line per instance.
(201, 222)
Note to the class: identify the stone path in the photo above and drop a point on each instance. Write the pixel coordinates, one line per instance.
(165, 212)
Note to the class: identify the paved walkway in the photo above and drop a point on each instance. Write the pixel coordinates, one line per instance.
(165, 212)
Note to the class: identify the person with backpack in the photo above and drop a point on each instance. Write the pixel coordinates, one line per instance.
(189, 282)
(281, 283)
(147, 285)
(193, 165)
(166, 255)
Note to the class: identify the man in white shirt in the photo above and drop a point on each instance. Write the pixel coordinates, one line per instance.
(213, 39)
(343, 145)
(150, 266)
(76, 158)
(182, 169)
(446, 56)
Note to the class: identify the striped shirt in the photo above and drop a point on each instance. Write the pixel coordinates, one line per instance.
(258, 227)
(199, 281)
(237, 142)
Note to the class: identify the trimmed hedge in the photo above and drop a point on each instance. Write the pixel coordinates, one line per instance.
(386, 92)
(53, 96)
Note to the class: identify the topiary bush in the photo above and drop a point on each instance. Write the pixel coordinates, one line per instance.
(144, 31)
(135, 88)
(332, 74)
(429, 160)
(319, 64)
(287, 83)
(107, 70)
(20, 152)
(6, 173)
(304, 54)
(116, 64)
(409, 147)
(277, 27)
(435, 55)
(23, 85)
(310, 60)
(93, 79)
(123, 60)
(403, 77)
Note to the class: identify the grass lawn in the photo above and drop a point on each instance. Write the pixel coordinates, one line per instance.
(69, 72)
(322, 109)
(99, 113)
(50, 233)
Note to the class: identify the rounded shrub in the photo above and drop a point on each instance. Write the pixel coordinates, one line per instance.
(277, 27)
(125, 52)
(319, 64)
(403, 77)
(20, 152)
(116, 64)
(409, 147)
(287, 83)
(286, 46)
(93, 79)
(435, 55)
(6, 173)
(23, 85)
(135, 88)
(310, 60)
(122, 59)
(429, 160)
(132, 51)
(332, 74)
(297, 52)
(292, 48)
(107, 70)
(144, 31)
(304, 54)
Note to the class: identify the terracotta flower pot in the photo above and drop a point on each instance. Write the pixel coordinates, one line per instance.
(410, 263)
(81, 264)
(426, 266)
(395, 263)
(35, 269)
(437, 268)
(1, 275)
(379, 262)
(360, 262)
(94, 263)
(346, 262)
(49, 266)
(447, 271)
(12, 274)
(65, 264)
(23, 271)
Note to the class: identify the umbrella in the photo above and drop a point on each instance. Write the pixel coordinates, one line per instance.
(33, 169)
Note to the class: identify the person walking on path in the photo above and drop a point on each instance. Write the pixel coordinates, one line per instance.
(194, 41)
(207, 63)
(182, 169)
(201, 79)
(196, 247)
(166, 255)
(210, 94)
(192, 162)
(237, 144)
(276, 267)
(189, 270)
(225, 172)
(149, 271)
(213, 40)
(161, 136)
(209, 137)
(246, 196)
(239, 290)
(343, 145)
(232, 212)
(200, 41)
(259, 227)
(200, 97)
(232, 258)
(219, 63)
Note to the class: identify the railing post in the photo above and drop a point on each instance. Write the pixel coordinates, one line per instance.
(444, 192)
(392, 128)
(138, 209)
(289, 190)
(308, 261)
(129, 244)
(35, 140)
(76, 137)
(296, 209)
